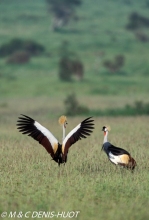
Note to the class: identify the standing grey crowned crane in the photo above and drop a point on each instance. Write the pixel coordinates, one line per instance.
(58, 151)
(117, 155)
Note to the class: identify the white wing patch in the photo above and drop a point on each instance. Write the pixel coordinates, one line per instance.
(71, 133)
(114, 159)
(47, 133)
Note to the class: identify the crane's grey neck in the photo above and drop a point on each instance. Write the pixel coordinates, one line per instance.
(63, 133)
(105, 137)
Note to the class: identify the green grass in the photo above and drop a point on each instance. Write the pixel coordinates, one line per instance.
(100, 22)
(89, 183)
(29, 179)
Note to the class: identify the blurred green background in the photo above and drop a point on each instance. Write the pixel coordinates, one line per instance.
(42, 42)
(80, 58)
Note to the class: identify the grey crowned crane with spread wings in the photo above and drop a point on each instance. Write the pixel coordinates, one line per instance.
(117, 155)
(58, 151)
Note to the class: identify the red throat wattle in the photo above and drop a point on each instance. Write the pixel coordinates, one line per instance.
(104, 133)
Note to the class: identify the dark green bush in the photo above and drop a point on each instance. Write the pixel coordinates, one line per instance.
(138, 108)
(137, 21)
(69, 64)
(116, 64)
(11, 47)
(63, 11)
(65, 72)
(73, 107)
(30, 46)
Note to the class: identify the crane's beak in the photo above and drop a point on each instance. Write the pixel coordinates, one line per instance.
(66, 123)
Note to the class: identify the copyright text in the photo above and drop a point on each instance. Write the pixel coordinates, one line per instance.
(40, 214)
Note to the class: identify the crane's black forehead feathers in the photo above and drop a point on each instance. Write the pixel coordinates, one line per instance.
(103, 128)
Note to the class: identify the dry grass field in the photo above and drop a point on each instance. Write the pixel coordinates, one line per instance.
(29, 180)
(89, 183)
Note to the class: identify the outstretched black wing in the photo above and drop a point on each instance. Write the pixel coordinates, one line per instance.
(32, 128)
(82, 130)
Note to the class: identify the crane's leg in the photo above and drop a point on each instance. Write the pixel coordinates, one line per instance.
(59, 171)
(66, 170)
